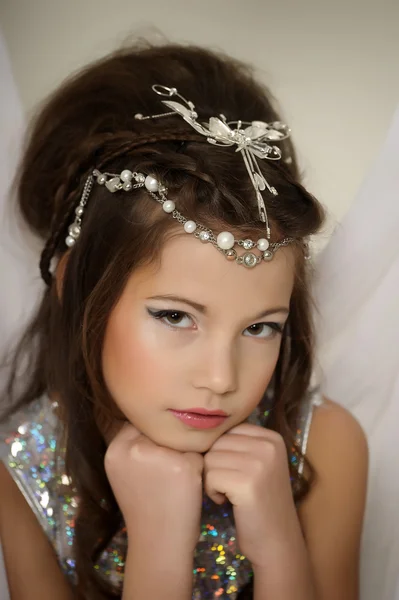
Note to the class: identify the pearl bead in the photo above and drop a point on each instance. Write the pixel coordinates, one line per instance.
(126, 175)
(79, 211)
(263, 244)
(74, 231)
(101, 179)
(151, 184)
(127, 186)
(190, 226)
(70, 241)
(225, 240)
(169, 206)
(138, 116)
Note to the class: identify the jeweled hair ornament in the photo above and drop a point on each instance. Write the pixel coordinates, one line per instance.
(224, 242)
(252, 139)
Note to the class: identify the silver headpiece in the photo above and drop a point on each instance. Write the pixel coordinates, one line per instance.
(252, 140)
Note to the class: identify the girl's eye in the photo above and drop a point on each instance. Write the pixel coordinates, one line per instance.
(172, 318)
(265, 330)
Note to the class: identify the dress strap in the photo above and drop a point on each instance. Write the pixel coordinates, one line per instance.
(313, 399)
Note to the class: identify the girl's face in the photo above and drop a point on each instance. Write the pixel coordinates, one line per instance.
(197, 333)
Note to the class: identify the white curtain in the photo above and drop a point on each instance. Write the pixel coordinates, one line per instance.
(357, 290)
(19, 272)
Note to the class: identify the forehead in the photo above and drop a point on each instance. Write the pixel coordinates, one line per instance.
(199, 272)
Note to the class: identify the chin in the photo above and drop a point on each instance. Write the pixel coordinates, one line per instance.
(190, 443)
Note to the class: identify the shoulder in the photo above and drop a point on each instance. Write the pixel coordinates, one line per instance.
(336, 439)
(332, 513)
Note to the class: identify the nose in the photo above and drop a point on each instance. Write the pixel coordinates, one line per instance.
(217, 369)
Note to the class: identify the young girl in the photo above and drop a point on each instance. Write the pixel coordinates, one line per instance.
(165, 442)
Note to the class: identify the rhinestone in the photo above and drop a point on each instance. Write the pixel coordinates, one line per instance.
(204, 236)
(140, 178)
(231, 254)
(248, 244)
(268, 255)
(250, 260)
(127, 186)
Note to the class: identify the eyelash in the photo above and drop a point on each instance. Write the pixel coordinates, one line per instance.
(161, 315)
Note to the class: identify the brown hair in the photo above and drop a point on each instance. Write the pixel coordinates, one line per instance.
(88, 123)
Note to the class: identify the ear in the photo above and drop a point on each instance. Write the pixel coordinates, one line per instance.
(60, 273)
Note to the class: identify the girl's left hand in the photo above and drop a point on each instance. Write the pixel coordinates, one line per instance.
(249, 466)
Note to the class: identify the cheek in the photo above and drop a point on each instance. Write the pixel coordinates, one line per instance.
(257, 374)
(135, 365)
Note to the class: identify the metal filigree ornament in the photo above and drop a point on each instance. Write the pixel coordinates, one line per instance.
(253, 140)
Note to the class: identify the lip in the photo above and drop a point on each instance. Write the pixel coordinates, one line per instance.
(200, 418)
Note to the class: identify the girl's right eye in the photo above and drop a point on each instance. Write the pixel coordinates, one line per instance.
(176, 319)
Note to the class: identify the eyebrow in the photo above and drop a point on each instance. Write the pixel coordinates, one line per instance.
(203, 310)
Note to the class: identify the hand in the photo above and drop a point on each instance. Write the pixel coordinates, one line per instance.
(249, 466)
(159, 492)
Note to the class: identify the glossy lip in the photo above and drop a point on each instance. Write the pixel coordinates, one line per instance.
(204, 411)
(200, 420)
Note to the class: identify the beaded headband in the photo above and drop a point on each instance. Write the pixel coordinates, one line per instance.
(224, 241)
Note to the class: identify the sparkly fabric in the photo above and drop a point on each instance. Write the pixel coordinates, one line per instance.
(29, 447)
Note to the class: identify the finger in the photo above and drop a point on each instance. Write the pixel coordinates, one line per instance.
(221, 459)
(220, 484)
(238, 443)
(251, 431)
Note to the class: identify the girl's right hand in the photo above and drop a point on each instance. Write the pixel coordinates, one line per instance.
(159, 492)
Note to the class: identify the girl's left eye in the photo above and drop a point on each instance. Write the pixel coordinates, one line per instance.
(265, 330)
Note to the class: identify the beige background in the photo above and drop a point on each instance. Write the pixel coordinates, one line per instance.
(332, 64)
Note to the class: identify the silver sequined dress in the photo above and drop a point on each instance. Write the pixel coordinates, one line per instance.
(29, 448)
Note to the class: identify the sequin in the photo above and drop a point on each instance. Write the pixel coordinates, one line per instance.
(30, 451)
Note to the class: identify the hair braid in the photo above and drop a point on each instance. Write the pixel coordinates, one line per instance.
(112, 151)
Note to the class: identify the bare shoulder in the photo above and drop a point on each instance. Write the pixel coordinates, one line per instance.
(335, 431)
(332, 513)
(31, 565)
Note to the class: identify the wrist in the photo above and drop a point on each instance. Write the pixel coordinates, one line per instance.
(150, 575)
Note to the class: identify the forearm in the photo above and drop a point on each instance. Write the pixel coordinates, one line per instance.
(286, 575)
(157, 574)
